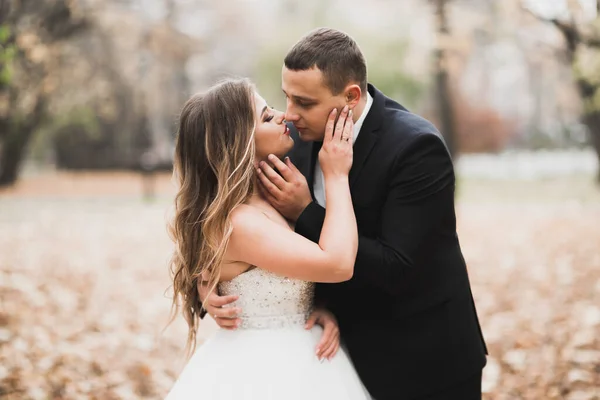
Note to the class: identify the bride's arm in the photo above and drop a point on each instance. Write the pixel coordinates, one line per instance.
(258, 241)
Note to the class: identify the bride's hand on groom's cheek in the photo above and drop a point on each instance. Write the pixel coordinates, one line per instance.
(288, 192)
(330, 340)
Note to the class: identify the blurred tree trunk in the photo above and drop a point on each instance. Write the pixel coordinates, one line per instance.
(592, 121)
(7, 134)
(444, 99)
(588, 89)
(28, 29)
(17, 136)
(587, 86)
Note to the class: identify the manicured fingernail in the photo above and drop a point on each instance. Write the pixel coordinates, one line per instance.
(318, 350)
(345, 108)
(287, 159)
(272, 157)
(350, 113)
(334, 111)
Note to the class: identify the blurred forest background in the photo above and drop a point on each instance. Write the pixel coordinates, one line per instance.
(90, 91)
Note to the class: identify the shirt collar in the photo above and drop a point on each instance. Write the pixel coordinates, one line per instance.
(359, 123)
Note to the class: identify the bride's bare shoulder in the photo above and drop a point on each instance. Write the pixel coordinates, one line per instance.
(247, 216)
(243, 212)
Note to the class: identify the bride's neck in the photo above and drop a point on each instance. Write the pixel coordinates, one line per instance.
(256, 193)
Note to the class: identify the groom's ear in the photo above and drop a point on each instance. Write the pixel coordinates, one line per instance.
(353, 95)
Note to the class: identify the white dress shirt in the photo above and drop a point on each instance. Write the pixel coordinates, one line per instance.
(319, 179)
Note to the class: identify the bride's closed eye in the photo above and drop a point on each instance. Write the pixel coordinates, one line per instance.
(269, 118)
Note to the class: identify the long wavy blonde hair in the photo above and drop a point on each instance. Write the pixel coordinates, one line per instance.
(214, 169)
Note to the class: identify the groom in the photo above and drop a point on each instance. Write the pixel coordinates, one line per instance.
(407, 317)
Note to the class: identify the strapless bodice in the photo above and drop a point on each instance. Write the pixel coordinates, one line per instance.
(269, 301)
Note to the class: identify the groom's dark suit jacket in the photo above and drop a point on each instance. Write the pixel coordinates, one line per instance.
(407, 316)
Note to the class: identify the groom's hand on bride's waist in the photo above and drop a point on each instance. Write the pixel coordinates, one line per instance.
(215, 305)
(287, 190)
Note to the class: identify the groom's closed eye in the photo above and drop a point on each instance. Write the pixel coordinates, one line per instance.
(304, 104)
(301, 101)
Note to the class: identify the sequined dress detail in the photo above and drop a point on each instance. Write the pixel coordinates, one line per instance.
(270, 301)
(271, 355)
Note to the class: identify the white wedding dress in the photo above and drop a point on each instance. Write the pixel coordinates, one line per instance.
(271, 355)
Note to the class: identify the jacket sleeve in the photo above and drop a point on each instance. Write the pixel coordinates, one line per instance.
(420, 189)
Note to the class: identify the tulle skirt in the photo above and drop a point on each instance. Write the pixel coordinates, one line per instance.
(266, 364)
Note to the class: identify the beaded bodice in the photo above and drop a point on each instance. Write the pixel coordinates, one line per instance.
(269, 301)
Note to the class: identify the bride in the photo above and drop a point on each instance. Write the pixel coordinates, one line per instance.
(226, 231)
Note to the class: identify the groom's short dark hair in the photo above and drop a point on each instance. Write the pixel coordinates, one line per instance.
(334, 53)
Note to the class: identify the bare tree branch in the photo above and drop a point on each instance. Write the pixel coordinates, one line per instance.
(587, 89)
(592, 42)
(534, 15)
(569, 31)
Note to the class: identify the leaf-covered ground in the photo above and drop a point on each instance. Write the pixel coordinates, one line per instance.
(84, 289)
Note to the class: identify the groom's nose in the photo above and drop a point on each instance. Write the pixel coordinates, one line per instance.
(290, 115)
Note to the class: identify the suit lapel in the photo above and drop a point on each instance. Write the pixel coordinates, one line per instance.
(362, 148)
(314, 155)
(368, 135)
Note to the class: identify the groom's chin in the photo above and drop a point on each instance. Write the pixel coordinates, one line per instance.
(305, 136)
